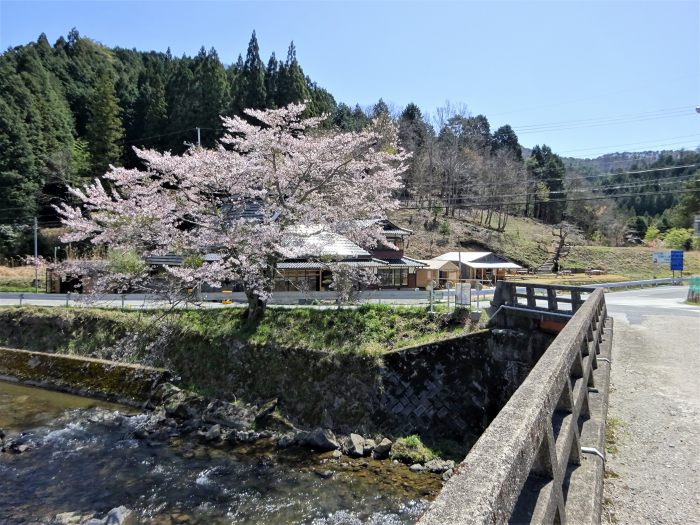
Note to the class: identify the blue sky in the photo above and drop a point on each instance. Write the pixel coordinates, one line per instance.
(585, 78)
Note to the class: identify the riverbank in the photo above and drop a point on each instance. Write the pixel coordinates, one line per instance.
(106, 467)
(446, 391)
(368, 330)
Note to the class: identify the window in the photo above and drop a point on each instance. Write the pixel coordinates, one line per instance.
(296, 281)
(393, 277)
(396, 241)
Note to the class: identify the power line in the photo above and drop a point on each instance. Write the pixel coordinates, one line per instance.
(161, 135)
(605, 119)
(575, 101)
(610, 117)
(640, 185)
(523, 203)
(596, 176)
(653, 143)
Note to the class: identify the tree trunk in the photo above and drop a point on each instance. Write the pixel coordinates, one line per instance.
(256, 307)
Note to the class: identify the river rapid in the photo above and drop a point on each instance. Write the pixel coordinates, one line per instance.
(80, 456)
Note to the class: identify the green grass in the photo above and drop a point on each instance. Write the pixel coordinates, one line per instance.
(613, 432)
(367, 330)
(11, 286)
(410, 449)
(20, 279)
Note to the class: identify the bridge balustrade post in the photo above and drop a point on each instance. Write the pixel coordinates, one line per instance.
(575, 300)
(530, 293)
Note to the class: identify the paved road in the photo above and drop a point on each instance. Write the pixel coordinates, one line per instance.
(654, 475)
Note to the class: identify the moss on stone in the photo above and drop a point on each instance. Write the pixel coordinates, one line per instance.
(410, 449)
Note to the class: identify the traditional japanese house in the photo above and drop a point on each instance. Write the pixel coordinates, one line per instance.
(322, 251)
(400, 270)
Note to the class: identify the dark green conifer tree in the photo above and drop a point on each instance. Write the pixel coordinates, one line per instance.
(104, 130)
(211, 95)
(505, 139)
(271, 81)
(547, 171)
(292, 83)
(413, 130)
(380, 109)
(253, 93)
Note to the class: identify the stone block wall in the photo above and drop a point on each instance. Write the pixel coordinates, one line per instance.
(454, 388)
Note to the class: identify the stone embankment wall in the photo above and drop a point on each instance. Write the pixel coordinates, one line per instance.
(126, 383)
(450, 389)
(454, 388)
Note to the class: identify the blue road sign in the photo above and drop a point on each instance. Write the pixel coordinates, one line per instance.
(676, 260)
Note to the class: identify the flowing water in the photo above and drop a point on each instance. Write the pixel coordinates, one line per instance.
(82, 458)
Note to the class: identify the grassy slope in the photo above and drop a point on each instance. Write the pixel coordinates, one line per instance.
(20, 279)
(370, 329)
(519, 243)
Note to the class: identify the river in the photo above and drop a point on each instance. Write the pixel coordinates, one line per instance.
(82, 458)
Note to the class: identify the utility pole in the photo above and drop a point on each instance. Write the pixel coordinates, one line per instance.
(199, 139)
(36, 256)
(459, 275)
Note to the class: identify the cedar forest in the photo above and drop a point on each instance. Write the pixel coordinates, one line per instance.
(71, 109)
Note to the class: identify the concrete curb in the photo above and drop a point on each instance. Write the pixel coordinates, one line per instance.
(118, 382)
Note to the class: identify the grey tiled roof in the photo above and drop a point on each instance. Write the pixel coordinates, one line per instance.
(316, 265)
(404, 262)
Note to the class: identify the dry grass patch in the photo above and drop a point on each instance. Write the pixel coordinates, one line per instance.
(20, 279)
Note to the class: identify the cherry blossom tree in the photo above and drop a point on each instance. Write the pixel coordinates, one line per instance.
(250, 201)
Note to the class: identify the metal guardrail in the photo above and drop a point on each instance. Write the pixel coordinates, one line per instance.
(517, 469)
(642, 283)
(279, 298)
(293, 297)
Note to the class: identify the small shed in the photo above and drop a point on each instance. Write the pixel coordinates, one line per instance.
(438, 271)
(483, 266)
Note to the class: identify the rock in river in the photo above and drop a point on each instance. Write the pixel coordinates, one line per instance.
(355, 446)
(319, 439)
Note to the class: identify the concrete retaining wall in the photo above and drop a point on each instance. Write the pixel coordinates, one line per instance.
(125, 383)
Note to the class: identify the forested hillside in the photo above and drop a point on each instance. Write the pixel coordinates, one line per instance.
(69, 109)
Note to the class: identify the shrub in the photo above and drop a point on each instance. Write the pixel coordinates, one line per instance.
(445, 229)
(679, 238)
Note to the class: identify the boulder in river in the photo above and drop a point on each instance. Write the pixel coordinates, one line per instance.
(370, 445)
(438, 466)
(213, 433)
(230, 415)
(319, 439)
(184, 405)
(381, 451)
(355, 446)
(116, 516)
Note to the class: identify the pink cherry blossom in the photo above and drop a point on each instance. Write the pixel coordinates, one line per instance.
(291, 172)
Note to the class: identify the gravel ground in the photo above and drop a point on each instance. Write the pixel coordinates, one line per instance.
(653, 460)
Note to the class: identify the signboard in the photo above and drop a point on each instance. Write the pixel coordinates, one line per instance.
(464, 293)
(661, 258)
(676, 260)
(697, 225)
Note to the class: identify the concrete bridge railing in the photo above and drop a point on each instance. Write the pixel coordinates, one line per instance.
(551, 298)
(541, 460)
